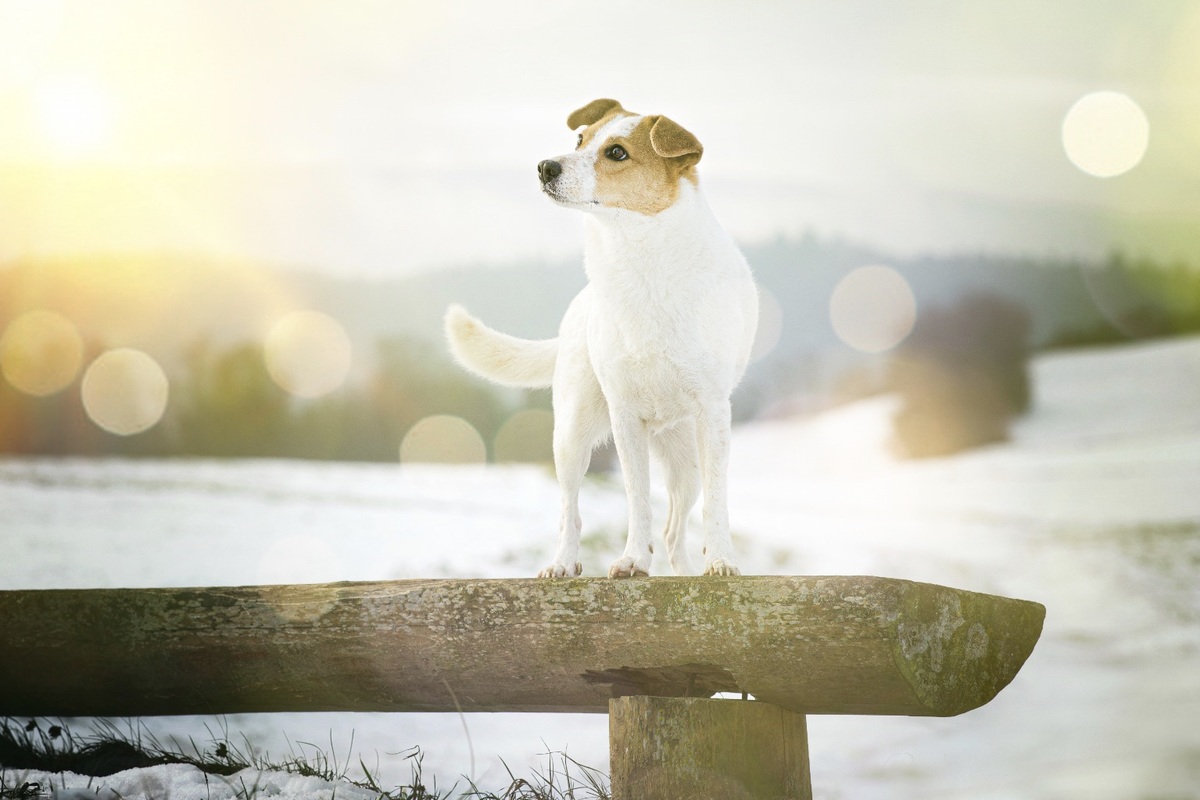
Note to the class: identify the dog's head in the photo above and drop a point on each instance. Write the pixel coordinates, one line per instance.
(622, 160)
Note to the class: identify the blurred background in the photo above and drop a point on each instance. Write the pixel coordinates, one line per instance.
(244, 222)
(229, 230)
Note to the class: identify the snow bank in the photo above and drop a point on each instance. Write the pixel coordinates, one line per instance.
(1093, 509)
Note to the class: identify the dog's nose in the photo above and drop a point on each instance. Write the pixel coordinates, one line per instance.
(549, 170)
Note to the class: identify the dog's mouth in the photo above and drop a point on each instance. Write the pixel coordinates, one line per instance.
(553, 194)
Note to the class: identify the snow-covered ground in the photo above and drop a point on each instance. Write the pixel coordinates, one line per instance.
(1093, 509)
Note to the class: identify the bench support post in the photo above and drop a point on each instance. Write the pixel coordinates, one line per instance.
(666, 748)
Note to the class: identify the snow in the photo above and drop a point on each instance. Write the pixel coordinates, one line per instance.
(1093, 509)
(184, 782)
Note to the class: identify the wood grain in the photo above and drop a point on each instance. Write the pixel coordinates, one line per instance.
(666, 748)
(814, 645)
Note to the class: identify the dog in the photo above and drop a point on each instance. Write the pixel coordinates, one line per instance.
(650, 350)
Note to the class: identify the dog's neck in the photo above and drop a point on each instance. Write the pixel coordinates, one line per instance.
(685, 233)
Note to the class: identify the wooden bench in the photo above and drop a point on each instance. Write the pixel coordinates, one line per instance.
(649, 652)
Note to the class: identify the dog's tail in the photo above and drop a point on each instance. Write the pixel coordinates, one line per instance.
(497, 356)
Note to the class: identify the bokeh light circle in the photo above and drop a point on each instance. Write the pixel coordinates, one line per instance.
(1105, 134)
(308, 354)
(125, 392)
(770, 324)
(528, 435)
(873, 309)
(443, 438)
(41, 353)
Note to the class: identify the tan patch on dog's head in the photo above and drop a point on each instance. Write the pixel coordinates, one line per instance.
(638, 166)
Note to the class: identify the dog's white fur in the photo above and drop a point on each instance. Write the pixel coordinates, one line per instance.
(649, 351)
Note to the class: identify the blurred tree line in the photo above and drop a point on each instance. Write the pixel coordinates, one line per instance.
(224, 404)
(1136, 298)
(961, 376)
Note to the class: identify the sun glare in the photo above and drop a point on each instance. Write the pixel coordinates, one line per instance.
(29, 28)
(75, 115)
(1105, 134)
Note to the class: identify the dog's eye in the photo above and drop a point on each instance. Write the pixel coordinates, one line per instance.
(616, 153)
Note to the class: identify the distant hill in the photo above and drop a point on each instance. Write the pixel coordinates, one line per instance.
(166, 303)
(1062, 298)
(528, 299)
(205, 322)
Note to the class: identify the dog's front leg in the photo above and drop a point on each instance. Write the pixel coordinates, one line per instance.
(633, 449)
(580, 420)
(713, 432)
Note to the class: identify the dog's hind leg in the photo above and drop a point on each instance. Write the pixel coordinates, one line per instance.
(713, 426)
(676, 447)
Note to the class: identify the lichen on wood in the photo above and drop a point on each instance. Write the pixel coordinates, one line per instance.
(841, 645)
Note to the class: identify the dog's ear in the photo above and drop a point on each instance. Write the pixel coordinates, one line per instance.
(670, 140)
(592, 112)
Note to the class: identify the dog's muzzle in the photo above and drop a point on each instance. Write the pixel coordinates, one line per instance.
(549, 170)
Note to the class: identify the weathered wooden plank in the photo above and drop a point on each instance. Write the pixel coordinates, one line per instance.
(666, 748)
(834, 645)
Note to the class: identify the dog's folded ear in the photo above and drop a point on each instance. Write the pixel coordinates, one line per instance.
(670, 140)
(592, 112)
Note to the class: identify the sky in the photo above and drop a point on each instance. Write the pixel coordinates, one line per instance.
(385, 138)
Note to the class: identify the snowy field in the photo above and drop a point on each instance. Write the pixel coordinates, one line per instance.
(1093, 510)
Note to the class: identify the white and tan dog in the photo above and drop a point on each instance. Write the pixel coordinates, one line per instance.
(651, 349)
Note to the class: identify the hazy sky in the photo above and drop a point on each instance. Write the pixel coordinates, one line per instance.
(383, 137)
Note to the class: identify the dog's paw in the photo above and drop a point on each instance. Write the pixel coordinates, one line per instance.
(560, 571)
(629, 567)
(720, 567)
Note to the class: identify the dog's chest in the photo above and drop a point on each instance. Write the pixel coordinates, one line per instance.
(653, 386)
(671, 309)
(652, 346)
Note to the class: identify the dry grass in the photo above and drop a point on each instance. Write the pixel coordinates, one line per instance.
(44, 746)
